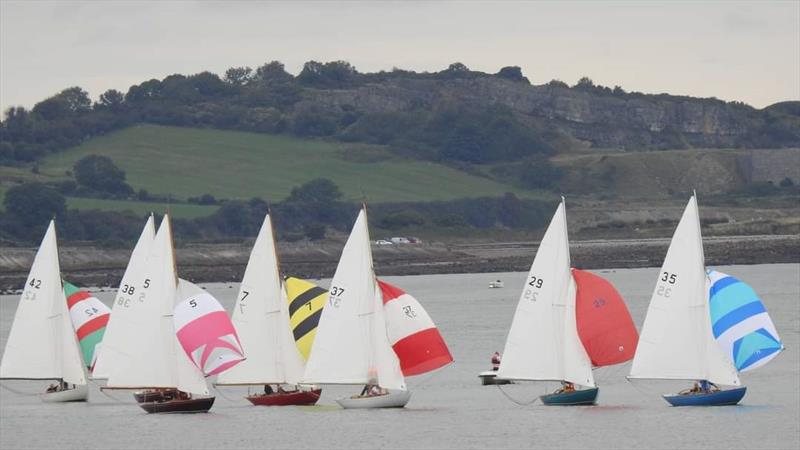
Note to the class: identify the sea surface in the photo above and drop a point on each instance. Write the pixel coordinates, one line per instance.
(449, 408)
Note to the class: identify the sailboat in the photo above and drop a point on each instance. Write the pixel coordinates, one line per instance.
(677, 340)
(371, 333)
(42, 344)
(182, 334)
(567, 321)
(261, 317)
(89, 317)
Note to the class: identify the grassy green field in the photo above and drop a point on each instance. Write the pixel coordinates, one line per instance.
(187, 162)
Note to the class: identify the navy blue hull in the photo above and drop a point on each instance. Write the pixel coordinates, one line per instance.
(719, 398)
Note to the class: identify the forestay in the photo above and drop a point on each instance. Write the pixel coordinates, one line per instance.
(42, 342)
(543, 342)
(123, 330)
(261, 318)
(676, 341)
(740, 323)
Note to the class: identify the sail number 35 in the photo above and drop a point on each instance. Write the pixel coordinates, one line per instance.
(663, 290)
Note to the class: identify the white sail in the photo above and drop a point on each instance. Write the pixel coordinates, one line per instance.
(351, 344)
(543, 342)
(42, 343)
(261, 319)
(154, 359)
(188, 377)
(676, 341)
(122, 330)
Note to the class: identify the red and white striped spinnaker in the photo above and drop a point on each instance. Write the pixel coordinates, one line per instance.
(414, 338)
(206, 334)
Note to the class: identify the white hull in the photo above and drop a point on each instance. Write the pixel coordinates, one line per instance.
(80, 393)
(395, 399)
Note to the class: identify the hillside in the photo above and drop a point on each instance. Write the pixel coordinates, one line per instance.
(186, 162)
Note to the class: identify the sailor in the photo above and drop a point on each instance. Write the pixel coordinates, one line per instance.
(566, 386)
(268, 390)
(496, 361)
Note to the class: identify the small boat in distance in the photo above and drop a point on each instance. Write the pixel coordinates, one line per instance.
(261, 317)
(371, 333)
(566, 322)
(677, 340)
(496, 284)
(42, 344)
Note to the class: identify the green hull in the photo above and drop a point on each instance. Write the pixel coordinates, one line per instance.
(582, 397)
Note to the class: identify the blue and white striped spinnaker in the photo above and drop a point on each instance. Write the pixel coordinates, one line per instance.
(740, 322)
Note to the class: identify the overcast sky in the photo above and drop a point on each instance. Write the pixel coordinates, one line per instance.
(747, 51)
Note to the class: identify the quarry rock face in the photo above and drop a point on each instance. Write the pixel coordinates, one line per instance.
(601, 118)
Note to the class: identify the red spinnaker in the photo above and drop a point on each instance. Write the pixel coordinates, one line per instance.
(604, 323)
(414, 338)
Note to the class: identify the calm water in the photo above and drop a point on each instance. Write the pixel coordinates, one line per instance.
(450, 409)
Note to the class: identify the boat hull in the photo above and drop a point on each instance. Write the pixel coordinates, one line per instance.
(395, 399)
(153, 396)
(574, 398)
(80, 393)
(192, 405)
(490, 378)
(286, 398)
(719, 398)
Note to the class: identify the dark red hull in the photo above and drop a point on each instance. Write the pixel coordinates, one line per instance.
(286, 398)
(192, 405)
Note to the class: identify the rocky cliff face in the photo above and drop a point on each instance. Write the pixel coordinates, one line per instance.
(596, 116)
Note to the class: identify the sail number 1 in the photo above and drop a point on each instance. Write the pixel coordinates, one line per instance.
(532, 292)
(663, 290)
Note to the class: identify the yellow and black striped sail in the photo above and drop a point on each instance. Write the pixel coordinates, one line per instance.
(305, 308)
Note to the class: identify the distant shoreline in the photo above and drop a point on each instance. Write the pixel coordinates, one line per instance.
(92, 266)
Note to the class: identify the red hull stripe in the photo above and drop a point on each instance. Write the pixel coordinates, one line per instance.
(76, 297)
(389, 292)
(422, 352)
(604, 324)
(92, 326)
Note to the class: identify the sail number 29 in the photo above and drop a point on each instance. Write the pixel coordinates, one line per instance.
(663, 290)
(532, 292)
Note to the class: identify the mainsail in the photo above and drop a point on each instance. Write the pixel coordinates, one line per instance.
(89, 317)
(123, 330)
(411, 332)
(543, 342)
(306, 301)
(42, 343)
(740, 323)
(605, 326)
(351, 345)
(261, 318)
(676, 340)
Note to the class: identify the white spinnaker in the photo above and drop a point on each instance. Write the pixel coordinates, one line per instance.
(676, 341)
(543, 342)
(345, 350)
(154, 359)
(122, 330)
(42, 342)
(261, 319)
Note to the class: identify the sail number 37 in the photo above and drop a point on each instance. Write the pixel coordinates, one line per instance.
(335, 297)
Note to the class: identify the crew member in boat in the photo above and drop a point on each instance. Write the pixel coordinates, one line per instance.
(496, 361)
(268, 390)
(566, 387)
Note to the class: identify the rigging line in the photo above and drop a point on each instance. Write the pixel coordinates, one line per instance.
(24, 394)
(514, 400)
(221, 393)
